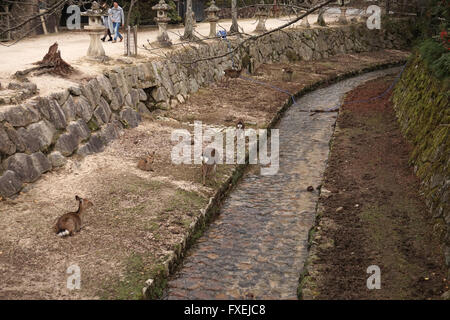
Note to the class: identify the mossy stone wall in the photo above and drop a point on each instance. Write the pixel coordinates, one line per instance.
(422, 105)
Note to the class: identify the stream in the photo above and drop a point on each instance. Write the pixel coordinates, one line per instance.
(257, 246)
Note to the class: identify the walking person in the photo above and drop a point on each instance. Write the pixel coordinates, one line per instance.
(107, 22)
(117, 18)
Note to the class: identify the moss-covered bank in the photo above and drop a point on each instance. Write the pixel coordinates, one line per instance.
(422, 106)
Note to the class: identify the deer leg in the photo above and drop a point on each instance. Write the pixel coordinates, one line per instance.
(203, 175)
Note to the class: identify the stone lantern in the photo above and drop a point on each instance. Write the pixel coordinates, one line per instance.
(162, 19)
(261, 14)
(343, 16)
(212, 18)
(95, 30)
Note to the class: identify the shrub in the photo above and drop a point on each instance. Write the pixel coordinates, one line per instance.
(441, 67)
(436, 58)
(173, 14)
(430, 50)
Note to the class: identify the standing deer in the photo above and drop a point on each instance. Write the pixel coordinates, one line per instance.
(208, 163)
(232, 74)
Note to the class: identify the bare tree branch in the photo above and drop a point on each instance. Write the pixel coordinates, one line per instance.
(49, 11)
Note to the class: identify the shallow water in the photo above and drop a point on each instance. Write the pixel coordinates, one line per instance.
(257, 246)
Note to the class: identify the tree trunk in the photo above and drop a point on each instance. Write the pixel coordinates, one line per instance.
(321, 18)
(129, 12)
(234, 24)
(189, 23)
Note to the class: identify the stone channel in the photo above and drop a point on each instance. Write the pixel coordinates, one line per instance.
(258, 244)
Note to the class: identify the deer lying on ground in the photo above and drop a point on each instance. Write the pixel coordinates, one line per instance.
(69, 223)
(146, 163)
(240, 125)
(208, 164)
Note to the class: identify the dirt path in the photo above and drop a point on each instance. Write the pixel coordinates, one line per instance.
(371, 212)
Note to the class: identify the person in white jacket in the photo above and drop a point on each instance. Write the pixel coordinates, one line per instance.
(117, 18)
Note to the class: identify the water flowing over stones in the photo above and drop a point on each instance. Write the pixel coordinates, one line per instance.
(257, 246)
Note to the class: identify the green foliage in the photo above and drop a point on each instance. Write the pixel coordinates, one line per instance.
(434, 20)
(441, 67)
(142, 13)
(93, 126)
(432, 41)
(173, 14)
(436, 57)
(431, 50)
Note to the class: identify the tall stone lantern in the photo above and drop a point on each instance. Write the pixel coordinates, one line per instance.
(95, 29)
(343, 16)
(212, 18)
(261, 14)
(162, 19)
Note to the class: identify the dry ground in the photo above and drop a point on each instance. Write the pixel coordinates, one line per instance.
(374, 213)
(138, 217)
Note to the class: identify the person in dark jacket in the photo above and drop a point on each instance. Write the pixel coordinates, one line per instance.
(107, 22)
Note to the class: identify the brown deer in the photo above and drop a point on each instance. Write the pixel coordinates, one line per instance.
(287, 74)
(208, 163)
(232, 74)
(69, 223)
(146, 163)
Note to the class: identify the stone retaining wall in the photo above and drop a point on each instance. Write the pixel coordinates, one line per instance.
(38, 135)
(421, 104)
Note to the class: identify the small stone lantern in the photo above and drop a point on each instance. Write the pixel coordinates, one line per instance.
(162, 19)
(212, 18)
(95, 29)
(343, 16)
(261, 14)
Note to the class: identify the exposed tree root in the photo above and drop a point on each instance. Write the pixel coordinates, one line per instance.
(51, 63)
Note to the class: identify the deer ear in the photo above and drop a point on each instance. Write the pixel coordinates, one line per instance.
(77, 198)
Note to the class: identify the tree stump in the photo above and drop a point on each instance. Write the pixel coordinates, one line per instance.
(51, 63)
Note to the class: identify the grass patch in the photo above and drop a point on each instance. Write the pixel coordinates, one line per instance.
(151, 226)
(137, 271)
(185, 201)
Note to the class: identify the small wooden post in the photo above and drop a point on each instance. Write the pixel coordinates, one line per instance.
(135, 39)
(8, 23)
(128, 40)
(44, 27)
